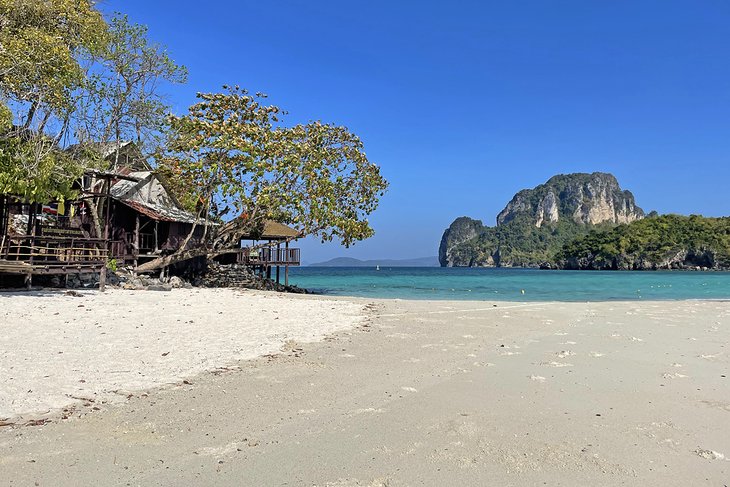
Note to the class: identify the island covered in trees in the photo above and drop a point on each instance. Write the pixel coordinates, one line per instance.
(586, 221)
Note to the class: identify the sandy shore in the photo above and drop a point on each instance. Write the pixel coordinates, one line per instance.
(58, 350)
(417, 393)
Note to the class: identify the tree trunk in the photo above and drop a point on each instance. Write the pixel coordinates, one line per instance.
(179, 257)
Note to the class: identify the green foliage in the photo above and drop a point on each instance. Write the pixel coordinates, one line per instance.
(40, 42)
(6, 118)
(232, 153)
(520, 243)
(36, 170)
(653, 242)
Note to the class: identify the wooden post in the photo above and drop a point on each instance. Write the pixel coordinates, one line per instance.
(157, 247)
(4, 213)
(278, 267)
(135, 238)
(29, 277)
(105, 255)
(31, 217)
(286, 268)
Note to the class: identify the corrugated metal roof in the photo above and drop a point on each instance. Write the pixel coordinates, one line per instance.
(148, 196)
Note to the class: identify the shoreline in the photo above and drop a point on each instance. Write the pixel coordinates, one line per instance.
(427, 393)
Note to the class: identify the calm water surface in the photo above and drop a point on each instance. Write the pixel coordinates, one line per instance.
(508, 284)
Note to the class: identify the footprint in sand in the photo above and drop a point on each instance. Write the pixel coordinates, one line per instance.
(710, 356)
(565, 353)
(710, 454)
(537, 378)
(556, 364)
(675, 375)
(409, 389)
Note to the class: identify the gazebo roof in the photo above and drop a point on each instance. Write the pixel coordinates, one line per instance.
(274, 231)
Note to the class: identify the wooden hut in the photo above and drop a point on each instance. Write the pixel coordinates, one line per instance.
(147, 221)
(267, 250)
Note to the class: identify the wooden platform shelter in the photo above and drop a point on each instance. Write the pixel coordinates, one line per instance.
(52, 238)
(268, 251)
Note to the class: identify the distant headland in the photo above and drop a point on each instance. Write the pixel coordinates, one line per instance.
(586, 221)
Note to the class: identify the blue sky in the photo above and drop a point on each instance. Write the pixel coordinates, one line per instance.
(462, 104)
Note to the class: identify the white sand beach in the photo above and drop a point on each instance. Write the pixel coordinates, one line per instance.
(58, 350)
(399, 393)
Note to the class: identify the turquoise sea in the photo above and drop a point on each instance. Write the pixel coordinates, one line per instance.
(508, 284)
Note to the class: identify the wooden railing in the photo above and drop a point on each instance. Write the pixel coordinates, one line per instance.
(268, 256)
(55, 254)
(146, 241)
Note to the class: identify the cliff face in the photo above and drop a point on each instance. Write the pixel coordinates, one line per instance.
(463, 229)
(537, 222)
(587, 199)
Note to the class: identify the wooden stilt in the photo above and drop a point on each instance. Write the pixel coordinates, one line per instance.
(286, 268)
(135, 238)
(278, 267)
(102, 272)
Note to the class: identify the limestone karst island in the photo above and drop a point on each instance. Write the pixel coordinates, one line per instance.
(586, 221)
(379, 244)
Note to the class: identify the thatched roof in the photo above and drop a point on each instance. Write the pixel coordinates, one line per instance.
(274, 231)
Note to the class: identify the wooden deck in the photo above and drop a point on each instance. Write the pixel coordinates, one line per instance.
(269, 256)
(29, 255)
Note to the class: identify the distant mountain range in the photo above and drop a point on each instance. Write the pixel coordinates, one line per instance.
(350, 262)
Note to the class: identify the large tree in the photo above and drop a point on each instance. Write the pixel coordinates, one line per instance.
(41, 42)
(122, 97)
(237, 165)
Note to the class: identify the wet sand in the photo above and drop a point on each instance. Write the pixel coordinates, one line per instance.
(425, 393)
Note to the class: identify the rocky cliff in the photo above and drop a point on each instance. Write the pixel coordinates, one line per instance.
(537, 222)
(587, 199)
(462, 230)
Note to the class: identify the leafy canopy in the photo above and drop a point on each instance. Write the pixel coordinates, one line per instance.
(231, 152)
(41, 42)
(39, 45)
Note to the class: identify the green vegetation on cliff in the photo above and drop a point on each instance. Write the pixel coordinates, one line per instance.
(537, 222)
(518, 243)
(657, 242)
